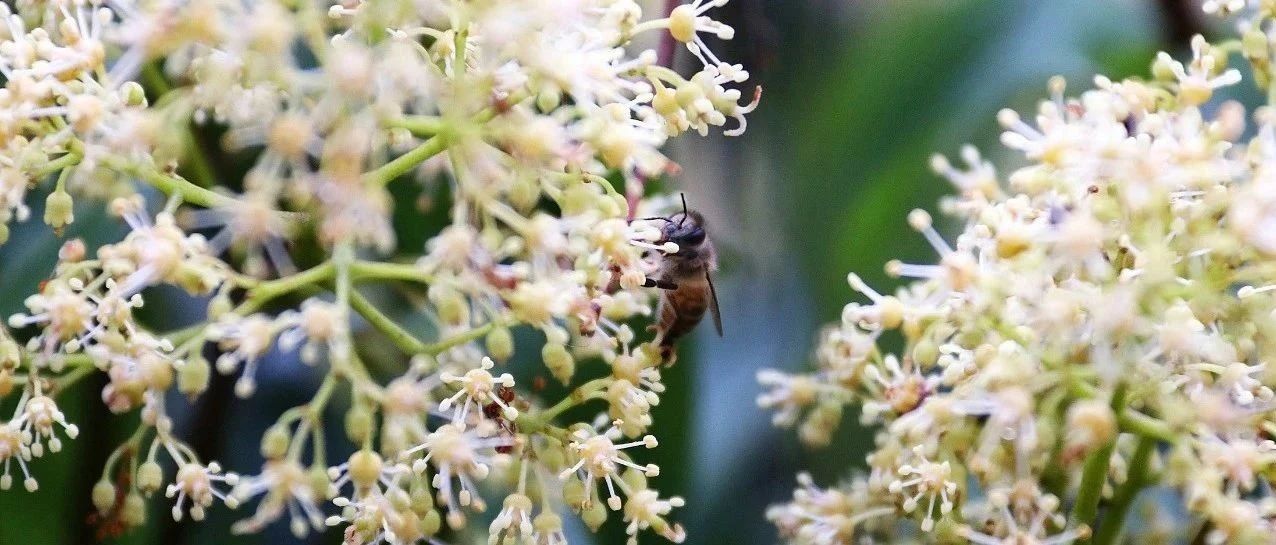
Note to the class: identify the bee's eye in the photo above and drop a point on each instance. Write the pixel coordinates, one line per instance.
(694, 237)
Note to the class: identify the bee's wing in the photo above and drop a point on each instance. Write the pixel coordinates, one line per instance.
(713, 303)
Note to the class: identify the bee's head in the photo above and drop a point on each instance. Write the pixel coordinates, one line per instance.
(686, 229)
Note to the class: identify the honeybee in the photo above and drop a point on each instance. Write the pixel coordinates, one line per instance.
(685, 278)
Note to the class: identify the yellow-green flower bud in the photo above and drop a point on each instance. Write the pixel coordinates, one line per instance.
(450, 304)
(219, 305)
(574, 493)
(365, 468)
(134, 512)
(682, 23)
(133, 94)
(104, 496)
(637, 480)
(149, 477)
(1255, 45)
(1091, 424)
(358, 423)
(524, 193)
(560, 363)
(10, 354)
(192, 376)
(925, 352)
(422, 496)
(500, 344)
(549, 97)
(431, 523)
(1163, 68)
(594, 516)
(547, 522)
(819, 426)
(320, 483)
(59, 210)
(274, 443)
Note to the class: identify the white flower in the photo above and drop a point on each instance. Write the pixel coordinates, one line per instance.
(13, 447)
(478, 388)
(599, 457)
(1197, 80)
(925, 480)
(197, 483)
(284, 486)
(462, 455)
(244, 340)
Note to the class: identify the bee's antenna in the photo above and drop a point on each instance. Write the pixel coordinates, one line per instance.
(684, 209)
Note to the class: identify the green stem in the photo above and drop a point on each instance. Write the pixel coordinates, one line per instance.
(62, 178)
(1095, 472)
(528, 423)
(313, 419)
(389, 271)
(1146, 426)
(399, 336)
(459, 339)
(402, 164)
(1114, 517)
(128, 445)
(172, 184)
(266, 291)
(419, 125)
(61, 163)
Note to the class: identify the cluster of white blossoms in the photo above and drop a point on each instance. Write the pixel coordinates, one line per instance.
(540, 117)
(1103, 323)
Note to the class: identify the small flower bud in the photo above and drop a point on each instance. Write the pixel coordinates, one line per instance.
(1091, 424)
(594, 516)
(431, 523)
(1255, 45)
(72, 251)
(219, 305)
(134, 511)
(104, 496)
(637, 480)
(149, 477)
(59, 210)
(682, 23)
(452, 307)
(1163, 68)
(132, 94)
(358, 423)
(192, 376)
(549, 97)
(10, 355)
(559, 362)
(365, 468)
(925, 352)
(274, 443)
(574, 493)
(320, 484)
(500, 344)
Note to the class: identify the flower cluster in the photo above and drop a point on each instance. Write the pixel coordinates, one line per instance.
(1101, 323)
(539, 120)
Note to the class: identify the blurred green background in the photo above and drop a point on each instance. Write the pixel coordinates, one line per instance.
(857, 97)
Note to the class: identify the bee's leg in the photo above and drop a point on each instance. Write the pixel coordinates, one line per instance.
(668, 355)
(662, 284)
